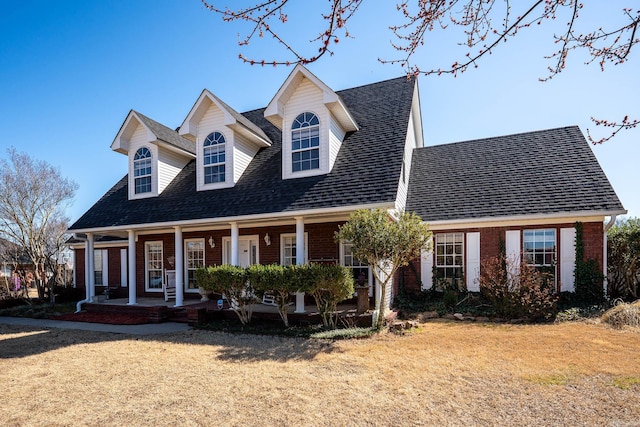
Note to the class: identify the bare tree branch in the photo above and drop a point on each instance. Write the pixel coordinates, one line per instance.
(485, 25)
(33, 197)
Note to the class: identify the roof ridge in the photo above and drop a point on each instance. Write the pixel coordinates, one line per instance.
(510, 135)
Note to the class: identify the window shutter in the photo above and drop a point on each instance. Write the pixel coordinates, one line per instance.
(105, 267)
(472, 272)
(567, 259)
(123, 268)
(513, 249)
(426, 268)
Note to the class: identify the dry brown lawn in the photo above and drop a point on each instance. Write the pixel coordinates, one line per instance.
(443, 374)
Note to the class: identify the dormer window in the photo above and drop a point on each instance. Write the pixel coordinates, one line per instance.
(142, 170)
(214, 158)
(305, 142)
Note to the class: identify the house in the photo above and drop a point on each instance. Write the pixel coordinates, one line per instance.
(273, 185)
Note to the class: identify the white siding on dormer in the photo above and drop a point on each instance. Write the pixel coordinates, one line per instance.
(139, 139)
(243, 152)
(169, 166)
(306, 98)
(403, 180)
(213, 121)
(336, 136)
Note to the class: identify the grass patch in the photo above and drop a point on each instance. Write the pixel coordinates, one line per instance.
(550, 380)
(347, 333)
(445, 374)
(625, 383)
(276, 328)
(38, 311)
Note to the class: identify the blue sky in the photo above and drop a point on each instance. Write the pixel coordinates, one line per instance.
(71, 71)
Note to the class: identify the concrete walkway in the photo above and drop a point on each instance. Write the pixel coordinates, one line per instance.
(146, 329)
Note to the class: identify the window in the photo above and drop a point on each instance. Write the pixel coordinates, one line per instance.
(214, 158)
(305, 142)
(153, 265)
(449, 260)
(142, 170)
(360, 269)
(539, 250)
(288, 250)
(97, 267)
(194, 250)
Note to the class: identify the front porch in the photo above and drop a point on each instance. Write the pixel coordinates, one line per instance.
(195, 311)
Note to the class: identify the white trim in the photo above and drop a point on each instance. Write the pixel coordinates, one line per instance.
(123, 268)
(275, 108)
(472, 273)
(426, 266)
(131, 249)
(513, 250)
(342, 253)
(524, 220)
(293, 235)
(146, 265)
(251, 238)
(308, 214)
(567, 259)
(186, 261)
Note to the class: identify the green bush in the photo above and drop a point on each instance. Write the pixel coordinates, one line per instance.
(523, 294)
(230, 281)
(623, 260)
(329, 284)
(276, 280)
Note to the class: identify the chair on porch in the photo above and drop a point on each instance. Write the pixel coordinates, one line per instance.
(169, 284)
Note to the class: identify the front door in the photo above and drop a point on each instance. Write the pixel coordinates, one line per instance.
(247, 250)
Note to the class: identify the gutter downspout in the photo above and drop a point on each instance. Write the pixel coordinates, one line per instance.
(86, 286)
(605, 282)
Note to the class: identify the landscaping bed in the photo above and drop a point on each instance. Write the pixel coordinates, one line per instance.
(108, 318)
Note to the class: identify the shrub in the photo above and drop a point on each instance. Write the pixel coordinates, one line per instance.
(623, 260)
(623, 314)
(517, 294)
(230, 281)
(328, 284)
(274, 279)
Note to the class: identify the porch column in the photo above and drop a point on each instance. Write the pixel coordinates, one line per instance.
(132, 268)
(235, 246)
(300, 259)
(87, 287)
(91, 271)
(179, 266)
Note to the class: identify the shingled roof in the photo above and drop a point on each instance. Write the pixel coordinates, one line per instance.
(366, 171)
(167, 135)
(545, 172)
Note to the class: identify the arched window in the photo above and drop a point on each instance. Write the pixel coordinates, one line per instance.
(214, 158)
(142, 170)
(305, 142)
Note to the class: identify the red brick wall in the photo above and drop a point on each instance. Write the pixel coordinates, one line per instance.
(491, 237)
(322, 248)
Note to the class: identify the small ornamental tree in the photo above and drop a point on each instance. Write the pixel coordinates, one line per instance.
(385, 243)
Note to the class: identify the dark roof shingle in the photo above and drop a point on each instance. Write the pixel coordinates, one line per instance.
(543, 172)
(366, 171)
